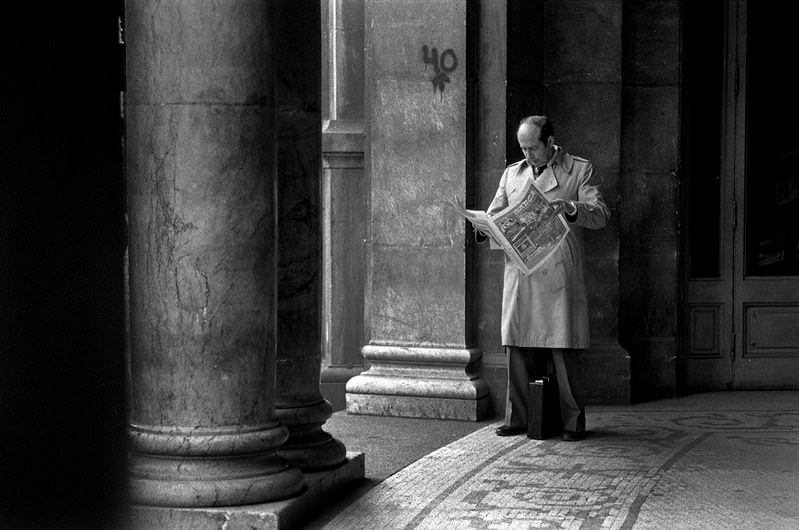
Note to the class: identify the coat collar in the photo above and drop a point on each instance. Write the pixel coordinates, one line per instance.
(561, 162)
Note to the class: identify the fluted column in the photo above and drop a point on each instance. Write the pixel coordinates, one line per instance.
(201, 171)
(300, 405)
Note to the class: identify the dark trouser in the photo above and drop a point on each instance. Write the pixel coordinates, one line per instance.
(528, 364)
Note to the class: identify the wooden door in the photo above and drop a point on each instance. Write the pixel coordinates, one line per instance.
(766, 289)
(740, 325)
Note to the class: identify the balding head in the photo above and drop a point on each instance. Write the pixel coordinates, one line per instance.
(542, 123)
(536, 139)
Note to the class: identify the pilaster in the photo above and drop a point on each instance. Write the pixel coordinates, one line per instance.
(581, 86)
(418, 294)
(344, 196)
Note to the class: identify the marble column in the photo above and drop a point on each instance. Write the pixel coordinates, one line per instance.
(420, 286)
(201, 172)
(299, 402)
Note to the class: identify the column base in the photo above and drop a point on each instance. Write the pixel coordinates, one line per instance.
(184, 467)
(218, 481)
(290, 513)
(418, 407)
(308, 446)
(314, 451)
(419, 383)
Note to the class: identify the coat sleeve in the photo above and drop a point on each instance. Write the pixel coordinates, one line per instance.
(499, 203)
(592, 212)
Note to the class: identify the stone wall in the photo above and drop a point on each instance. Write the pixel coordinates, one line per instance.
(648, 268)
(607, 73)
(563, 59)
(490, 159)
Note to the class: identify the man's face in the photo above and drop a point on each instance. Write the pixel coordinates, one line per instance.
(536, 152)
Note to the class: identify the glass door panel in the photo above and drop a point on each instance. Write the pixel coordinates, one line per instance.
(766, 289)
(703, 82)
(772, 143)
(707, 90)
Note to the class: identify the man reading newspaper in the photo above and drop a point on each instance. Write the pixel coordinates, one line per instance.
(545, 310)
(528, 231)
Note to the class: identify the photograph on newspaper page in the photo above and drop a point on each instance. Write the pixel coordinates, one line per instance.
(532, 229)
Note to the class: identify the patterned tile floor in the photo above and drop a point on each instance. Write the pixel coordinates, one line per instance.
(699, 462)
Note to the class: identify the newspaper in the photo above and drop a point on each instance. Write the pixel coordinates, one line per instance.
(528, 231)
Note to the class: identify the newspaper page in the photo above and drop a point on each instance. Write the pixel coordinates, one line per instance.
(528, 231)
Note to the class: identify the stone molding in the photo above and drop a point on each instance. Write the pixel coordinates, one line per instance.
(343, 137)
(205, 441)
(319, 488)
(431, 382)
(308, 446)
(218, 481)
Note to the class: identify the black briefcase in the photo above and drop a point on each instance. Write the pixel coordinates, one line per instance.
(543, 409)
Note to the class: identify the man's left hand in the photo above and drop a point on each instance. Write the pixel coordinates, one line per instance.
(564, 206)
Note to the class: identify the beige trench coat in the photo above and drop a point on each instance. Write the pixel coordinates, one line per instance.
(549, 308)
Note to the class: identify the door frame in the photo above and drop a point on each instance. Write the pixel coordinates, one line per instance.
(755, 298)
(705, 361)
(732, 303)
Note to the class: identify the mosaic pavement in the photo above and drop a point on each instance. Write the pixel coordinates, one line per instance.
(647, 469)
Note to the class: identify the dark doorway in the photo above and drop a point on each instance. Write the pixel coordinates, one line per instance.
(741, 203)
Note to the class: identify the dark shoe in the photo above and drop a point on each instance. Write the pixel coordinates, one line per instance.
(570, 436)
(506, 430)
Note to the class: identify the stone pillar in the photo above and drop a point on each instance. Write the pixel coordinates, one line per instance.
(201, 171)
(581, 89)
(497, 84)
(649, 236)
(344, 197)
(299, 404)
(419, 290)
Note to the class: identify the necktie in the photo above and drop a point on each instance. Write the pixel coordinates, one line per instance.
(538, 170)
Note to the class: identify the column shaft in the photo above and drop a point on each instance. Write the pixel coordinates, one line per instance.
(300, 405)
(201, 170)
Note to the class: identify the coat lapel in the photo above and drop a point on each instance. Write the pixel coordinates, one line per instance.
(561, 164)
(547, 181)
(520, 179)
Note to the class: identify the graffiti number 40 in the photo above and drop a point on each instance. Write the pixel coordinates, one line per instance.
(442, 65)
